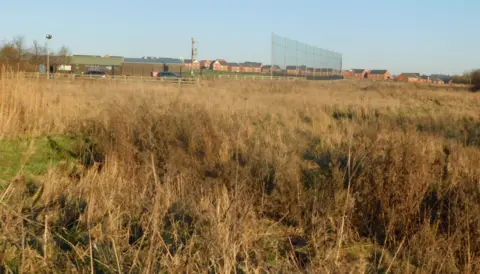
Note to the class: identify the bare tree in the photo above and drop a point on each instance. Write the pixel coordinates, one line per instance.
(64, 55)
(19, 44)
(38, 53)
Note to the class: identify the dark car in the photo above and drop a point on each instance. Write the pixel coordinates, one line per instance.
(167, 74)
(97, 73)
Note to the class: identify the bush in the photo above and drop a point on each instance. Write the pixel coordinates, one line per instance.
(476, 81)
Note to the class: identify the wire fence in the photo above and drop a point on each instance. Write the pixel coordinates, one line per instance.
(293, 58)
(110, 78)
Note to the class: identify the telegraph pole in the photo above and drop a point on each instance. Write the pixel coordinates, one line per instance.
(48, 37)
(193, 54)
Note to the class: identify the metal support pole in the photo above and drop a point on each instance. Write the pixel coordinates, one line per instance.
(193, 56)
(272, 57)
(48, 37)
(285, 57)
(48, 63)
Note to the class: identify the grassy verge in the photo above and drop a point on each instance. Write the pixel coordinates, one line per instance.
(34, 156)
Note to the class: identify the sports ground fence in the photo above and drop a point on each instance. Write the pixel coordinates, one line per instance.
(291, 58)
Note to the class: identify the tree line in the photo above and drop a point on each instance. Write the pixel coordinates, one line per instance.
(469, 78)
(15, 52)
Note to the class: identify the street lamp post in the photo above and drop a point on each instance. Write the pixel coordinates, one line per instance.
(48, 37)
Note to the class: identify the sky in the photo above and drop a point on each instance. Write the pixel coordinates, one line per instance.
(424, 36)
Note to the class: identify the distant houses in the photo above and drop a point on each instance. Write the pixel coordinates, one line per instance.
(411, 77)
(191, 65)
(379, 74)
(376, 74)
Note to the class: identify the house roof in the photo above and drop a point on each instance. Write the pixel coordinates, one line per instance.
(233, 64)
(410, 75)
(96, 60)
(291, 67)
(160, 60)
(269, 66)
(358, 70)
(378, 71)
(221, 61)
(252, 64)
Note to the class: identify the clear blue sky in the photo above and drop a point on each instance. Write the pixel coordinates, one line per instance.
(424, 36)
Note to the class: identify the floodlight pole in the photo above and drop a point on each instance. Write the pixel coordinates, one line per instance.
(48, 37)
(193, 53)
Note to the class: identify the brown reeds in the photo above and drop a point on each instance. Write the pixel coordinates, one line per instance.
(245, 177)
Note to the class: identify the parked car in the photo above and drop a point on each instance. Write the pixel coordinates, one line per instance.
(100, 74)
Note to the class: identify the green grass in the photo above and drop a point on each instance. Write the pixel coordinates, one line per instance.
(33, 156)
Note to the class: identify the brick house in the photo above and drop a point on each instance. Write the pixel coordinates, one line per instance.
(358, 74)
(437, 81)
(302, 70)
(234, 67)
(379, 74)
(219, 65)
(292, 70)
(269, 69)
(253, 66)
(408, 77)
(189, 65)
(205, 64)
(246, 67)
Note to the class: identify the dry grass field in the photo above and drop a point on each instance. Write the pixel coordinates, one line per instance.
(238, 177)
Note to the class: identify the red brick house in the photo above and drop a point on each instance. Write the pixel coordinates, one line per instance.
(408, 77)
(355, 74)
(379, 74)
(205, 64)
(234, 67)
(189, 65)
(269, 69)
(311, 71)
(219, 65)
(253, 66)
(247, 68)
(302, 70)
(437, 81)
(292, 70)
(323, 71)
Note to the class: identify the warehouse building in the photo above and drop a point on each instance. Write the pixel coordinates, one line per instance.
(112, 65)
(149, 66)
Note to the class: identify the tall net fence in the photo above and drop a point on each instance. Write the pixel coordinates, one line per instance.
(292, 58)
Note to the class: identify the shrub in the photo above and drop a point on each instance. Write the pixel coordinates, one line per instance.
(476, 81)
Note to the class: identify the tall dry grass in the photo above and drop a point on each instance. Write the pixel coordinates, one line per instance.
(245, 177)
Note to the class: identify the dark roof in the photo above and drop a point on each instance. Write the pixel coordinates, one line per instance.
(358, 70)
(410, 75)
(436, 79)
(291, 67)
(378, 71)
(269, 66)
(252, 64)
(161, 60)
(233, 64)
